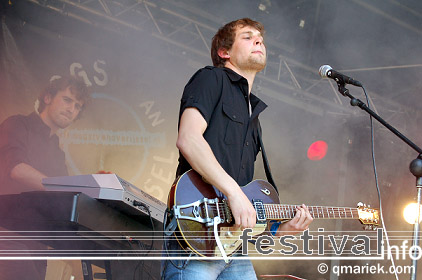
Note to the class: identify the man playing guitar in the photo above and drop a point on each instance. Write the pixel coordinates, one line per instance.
(218, 138)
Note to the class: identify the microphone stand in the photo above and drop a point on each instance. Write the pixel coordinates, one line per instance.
(415, 167)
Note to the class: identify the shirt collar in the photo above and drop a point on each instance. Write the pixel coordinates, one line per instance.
(257, 104)
(234, 77)
(38, 123)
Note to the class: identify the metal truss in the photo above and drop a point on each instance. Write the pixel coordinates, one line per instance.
(188, 30)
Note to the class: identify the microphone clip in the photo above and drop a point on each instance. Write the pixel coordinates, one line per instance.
(341, 88)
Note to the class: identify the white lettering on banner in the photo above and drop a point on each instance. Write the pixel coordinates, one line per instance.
(81, 73)
(158, 173)
(76, 69)
(103, 82)
(147, 105)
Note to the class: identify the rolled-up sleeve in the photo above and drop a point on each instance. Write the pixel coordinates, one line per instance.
(202, 92)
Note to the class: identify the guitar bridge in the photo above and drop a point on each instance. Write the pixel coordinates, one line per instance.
(194, 210)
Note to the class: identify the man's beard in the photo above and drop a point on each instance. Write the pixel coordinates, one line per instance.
(255, 64)
(61, 122)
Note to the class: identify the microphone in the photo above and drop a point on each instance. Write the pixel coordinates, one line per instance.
(325, 71)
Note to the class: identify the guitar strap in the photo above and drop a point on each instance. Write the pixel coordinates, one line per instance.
(265, 159)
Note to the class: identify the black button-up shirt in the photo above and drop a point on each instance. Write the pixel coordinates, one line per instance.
(26, 139)
(221, 96)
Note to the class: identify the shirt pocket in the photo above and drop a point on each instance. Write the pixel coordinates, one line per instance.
(235, 125)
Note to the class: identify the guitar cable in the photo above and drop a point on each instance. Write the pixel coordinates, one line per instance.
(377, 186)
(143, 205)
(141, 246)
(165, 236)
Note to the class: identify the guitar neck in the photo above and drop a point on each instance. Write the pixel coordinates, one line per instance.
(287, 212)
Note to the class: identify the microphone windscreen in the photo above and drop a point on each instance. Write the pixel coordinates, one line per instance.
(323, 70)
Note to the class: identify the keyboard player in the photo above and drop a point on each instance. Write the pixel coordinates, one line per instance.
(29, 152)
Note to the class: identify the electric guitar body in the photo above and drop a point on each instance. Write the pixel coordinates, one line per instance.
(205, 224)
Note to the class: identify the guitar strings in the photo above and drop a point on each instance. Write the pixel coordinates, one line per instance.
(275, 211)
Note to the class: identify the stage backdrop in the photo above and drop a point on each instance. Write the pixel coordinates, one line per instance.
(137, 77)
(130, 129)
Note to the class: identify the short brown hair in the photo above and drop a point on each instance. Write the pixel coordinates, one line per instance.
(76, 85)
(225, 36)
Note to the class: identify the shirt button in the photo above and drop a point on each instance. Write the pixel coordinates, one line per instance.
(247, 143)
(243, 166)
(234, 116)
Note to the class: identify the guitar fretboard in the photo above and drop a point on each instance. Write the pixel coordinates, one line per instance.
(287, 212)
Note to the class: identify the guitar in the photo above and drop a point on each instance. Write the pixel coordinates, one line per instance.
(205, 224)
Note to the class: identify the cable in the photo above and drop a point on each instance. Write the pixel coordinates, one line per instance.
(377, 186)
(141, 246)
(184, 264)
(143, 205)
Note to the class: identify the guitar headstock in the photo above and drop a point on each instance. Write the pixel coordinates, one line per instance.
(369, 217)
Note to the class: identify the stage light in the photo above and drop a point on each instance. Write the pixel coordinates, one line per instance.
(264, 6)
(410, 213)
(317, 150)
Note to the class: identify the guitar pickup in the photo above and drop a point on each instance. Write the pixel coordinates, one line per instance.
(260, 211)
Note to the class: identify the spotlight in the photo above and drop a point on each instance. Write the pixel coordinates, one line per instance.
(410, 213)
(264, 6)
(317, 150)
